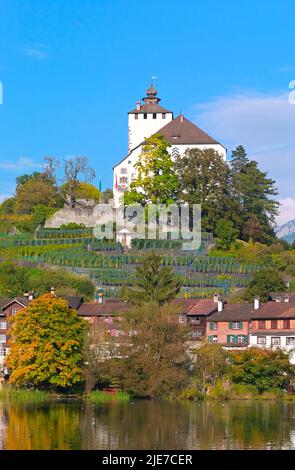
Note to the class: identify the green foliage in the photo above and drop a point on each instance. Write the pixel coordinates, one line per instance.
(46, 350)
(71, 226)
(15, 280)
(21, 395)
(35, 189)
(266, 369)
(151, 360)
(226, 234)
(98, 396)
(263, 282)
(153, 283)
(203, 176)
(157, 182)
(211, 363)
(243, 391)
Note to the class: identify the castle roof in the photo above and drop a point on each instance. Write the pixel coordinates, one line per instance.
(182, 131)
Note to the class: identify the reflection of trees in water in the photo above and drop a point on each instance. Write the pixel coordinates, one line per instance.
(148, 425)
(52, 426)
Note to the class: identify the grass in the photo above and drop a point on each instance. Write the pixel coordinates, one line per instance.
(20, 395)
(98, 396)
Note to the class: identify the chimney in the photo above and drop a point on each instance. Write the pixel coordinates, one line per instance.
(31, 295)
(138, 105)
(219, 305)
(52, 291)
(256, 303)
(181, 118)
(215, 298)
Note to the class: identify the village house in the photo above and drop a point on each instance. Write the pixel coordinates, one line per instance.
(230, 325)
(273, 325)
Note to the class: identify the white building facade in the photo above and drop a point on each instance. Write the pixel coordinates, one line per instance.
(149, 118)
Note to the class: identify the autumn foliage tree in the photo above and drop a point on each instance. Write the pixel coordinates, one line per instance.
(46, 345)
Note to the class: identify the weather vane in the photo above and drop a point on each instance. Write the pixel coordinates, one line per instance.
(153, 78)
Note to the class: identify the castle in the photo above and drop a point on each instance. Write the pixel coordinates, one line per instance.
(147, 119)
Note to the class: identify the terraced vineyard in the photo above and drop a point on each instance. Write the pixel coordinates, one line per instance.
(110, 268)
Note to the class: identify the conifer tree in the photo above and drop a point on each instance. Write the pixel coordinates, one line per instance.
(153, 283)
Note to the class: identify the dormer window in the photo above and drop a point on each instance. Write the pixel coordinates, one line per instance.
(163, 115)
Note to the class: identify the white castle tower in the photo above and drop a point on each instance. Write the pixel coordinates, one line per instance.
(147, 118)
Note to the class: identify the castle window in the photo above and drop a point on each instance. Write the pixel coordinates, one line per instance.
(145, 116)
(274, 324)
(124, 171)
(2, 338)
(3, 325)
(286, 324)
(163, 115)
(129, 161)
(123, 180)
(135, 116)
(154, 116)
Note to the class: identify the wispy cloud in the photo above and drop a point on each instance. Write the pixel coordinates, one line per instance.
(22, 163)
(38, 51)
(286, 68)
(265, 125)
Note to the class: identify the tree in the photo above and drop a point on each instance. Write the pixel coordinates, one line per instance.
(153, 361)
(152, 283)
(14, 280)
(46, 346)
(73, 169)
(38, 189)
(204, 179)
(255, 193)
(106, 195)
(211, 362)
(239, 160)
(263, 282)
(226, 234)
(156, 182)
(83, 190)
(265, 369)
(7, 206)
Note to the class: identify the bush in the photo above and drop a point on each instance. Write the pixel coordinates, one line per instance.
(242, 392)
(99, 396)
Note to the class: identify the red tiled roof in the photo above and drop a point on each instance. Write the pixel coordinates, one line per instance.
(275, 310)
(202, 307)
(234, 312)
(106, 308)
(182, 131)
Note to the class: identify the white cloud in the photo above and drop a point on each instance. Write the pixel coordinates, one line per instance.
(36, 52)
(264, 124)
(287, 211)
(22, 163)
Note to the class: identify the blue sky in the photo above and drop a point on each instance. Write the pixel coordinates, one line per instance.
(71, 69)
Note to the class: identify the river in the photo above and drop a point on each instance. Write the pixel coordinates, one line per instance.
(145, 424)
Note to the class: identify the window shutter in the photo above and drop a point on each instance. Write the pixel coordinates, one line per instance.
(211, 325)
(228, 338)
(245, 338)
(210, 339)
(230, 325)
(235, 339)
(241, 325)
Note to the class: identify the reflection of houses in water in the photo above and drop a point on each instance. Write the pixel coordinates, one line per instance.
(3, 425)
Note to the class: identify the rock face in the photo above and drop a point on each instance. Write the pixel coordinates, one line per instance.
(287, 231)
(82, 213)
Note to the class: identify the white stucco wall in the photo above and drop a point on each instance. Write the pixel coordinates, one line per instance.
(268, 344)
(140, 128)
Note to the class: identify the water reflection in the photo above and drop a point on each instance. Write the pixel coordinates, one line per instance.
(148, 425)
